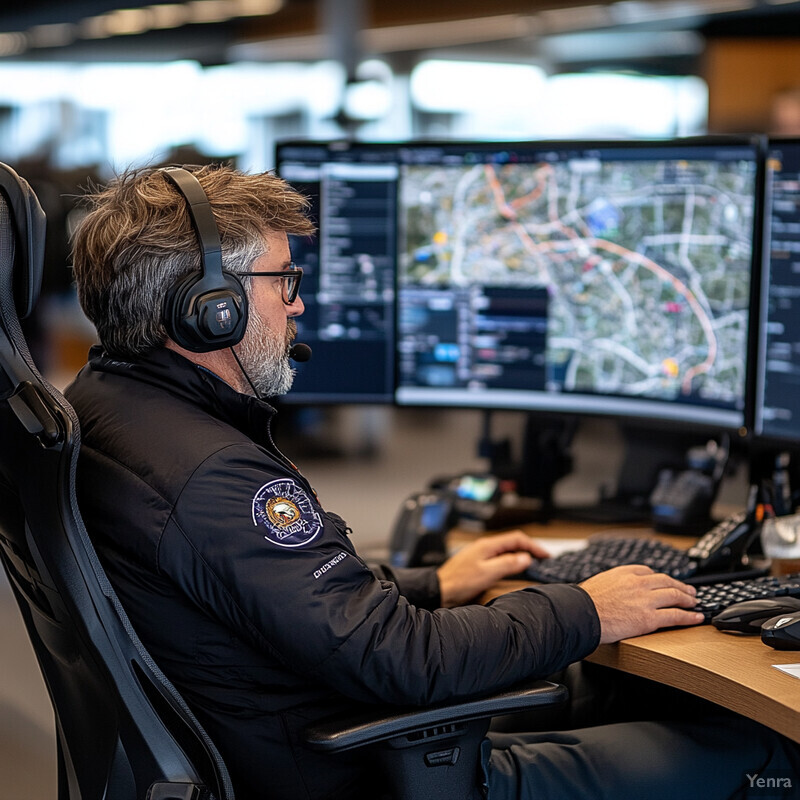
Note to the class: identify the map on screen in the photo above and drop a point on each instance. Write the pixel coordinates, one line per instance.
(644, 264)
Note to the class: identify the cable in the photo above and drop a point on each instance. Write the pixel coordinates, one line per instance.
(247, 377)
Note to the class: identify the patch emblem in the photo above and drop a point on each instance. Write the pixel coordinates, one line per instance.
(287, 513)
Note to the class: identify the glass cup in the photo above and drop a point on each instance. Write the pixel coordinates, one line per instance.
(780, 539)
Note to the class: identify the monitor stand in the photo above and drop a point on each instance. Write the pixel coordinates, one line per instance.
(647, 451)
(545, 458)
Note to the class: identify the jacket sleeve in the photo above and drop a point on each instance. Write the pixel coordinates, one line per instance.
(265, 559)
(419, 585)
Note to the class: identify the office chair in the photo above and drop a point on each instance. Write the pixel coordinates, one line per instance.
(123, 732)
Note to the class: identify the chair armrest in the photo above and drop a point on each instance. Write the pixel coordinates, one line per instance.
(434, 751)
(380, 723)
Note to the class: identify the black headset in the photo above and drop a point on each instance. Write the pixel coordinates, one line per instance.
(205, 310)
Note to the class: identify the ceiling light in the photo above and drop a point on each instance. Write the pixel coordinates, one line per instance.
(576, 18)
(55, 35)
(127, 21)
(12, 44)
(204, 11)
(395, 38)
(620, 45)
(94, 27)
(633, 12)
(256, 8)
(169, 15)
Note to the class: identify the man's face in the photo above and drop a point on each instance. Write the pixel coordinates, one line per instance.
(264, 350)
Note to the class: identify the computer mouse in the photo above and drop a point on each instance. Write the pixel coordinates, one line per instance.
(748, 615)
(782, 632)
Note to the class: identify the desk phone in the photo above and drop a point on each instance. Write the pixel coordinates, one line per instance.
(418, 538)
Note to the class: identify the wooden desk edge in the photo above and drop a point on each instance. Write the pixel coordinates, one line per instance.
(732, 671)
(770, 697)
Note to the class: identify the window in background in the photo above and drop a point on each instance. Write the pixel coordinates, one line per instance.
(145, 110)
(622, 106)
(483, 100)
(114, 116)
(477, 99)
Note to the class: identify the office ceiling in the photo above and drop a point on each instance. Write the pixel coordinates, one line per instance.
(220, 31)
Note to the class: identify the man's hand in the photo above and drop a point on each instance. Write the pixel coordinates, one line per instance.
(480, 564)
(633, 600)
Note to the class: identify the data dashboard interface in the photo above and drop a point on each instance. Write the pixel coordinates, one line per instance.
(777, 397)
(603, 278)
(348, 271)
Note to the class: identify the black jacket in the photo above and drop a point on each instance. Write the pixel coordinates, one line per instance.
(251, 597)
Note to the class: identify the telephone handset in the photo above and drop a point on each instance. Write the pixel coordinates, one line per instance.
(725, 547)
(418, 538)
(681, 500)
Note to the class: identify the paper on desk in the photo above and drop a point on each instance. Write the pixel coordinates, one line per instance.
(789, 669)
(555, 547)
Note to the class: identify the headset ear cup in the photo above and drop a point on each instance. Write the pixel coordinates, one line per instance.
(207, 309)
(200, 318)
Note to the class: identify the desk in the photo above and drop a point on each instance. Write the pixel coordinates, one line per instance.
(733, 671)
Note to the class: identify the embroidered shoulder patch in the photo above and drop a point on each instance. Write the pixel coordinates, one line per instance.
(287, 513)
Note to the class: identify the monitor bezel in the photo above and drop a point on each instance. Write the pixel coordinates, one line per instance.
(306, 398)
(640, 411)
(766, 442)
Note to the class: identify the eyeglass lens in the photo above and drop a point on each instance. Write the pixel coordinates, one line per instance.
(291, 284)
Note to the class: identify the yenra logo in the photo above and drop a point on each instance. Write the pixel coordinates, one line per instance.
(757, 782)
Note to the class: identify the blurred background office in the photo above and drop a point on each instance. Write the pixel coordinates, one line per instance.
(92, 87)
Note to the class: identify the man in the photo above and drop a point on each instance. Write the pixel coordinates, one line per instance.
(249, 594)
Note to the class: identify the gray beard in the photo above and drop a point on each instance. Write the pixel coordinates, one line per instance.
(264, 355)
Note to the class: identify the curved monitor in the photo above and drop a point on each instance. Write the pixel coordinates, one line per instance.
(591, 278)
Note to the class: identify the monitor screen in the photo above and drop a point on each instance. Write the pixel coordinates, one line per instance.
(591, 278)
(348, 271)
(777, 395)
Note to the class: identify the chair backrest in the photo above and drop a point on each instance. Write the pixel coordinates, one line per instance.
(123, 731)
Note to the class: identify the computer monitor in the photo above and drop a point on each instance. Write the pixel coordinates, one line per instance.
(777, 395)
(348, 270)
(591, 278)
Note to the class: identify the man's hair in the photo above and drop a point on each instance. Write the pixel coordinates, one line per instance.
(137, 240)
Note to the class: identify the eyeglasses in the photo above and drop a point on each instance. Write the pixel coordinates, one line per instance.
(291, 280)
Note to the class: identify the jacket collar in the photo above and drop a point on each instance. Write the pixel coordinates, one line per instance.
(193, 384)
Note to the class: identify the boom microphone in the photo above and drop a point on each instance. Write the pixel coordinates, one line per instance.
(300, 352)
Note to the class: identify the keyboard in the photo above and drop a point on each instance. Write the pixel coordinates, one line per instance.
(714, 597)
(605, 552)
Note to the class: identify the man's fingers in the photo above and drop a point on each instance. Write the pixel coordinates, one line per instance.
(513, 541)
(633, 599)
(674, 596)
(672, 617)
(633, 569)
(510, 563)
(659, 580)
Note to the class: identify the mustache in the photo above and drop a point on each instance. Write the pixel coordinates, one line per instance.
(291, 332)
